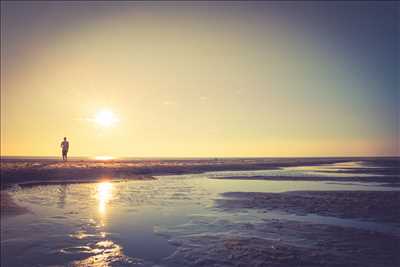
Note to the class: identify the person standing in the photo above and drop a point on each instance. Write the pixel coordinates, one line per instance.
(65, 147)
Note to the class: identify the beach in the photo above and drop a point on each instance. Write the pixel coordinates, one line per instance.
(22, 171)
(201, 212)
(200, 133)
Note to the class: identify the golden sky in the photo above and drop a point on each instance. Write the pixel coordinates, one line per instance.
(187, 81)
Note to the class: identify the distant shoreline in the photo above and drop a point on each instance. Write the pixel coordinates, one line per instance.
(124, 159)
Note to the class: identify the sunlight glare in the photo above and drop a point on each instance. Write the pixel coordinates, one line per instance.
(104, 193)
(105, 118)
(103, 158)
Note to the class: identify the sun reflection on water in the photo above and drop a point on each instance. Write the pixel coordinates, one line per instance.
(104, 195)
(103, 158)
(105, 254)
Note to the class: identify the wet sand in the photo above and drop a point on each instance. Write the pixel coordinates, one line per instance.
(370, 205)
(280, 243)
(15, 171)
(219, 226)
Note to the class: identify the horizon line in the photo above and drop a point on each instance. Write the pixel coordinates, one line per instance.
(193, 157)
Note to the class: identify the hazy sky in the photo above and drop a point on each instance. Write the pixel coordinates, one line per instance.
(200, 79)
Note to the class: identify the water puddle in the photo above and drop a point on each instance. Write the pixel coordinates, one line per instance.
(325, 170)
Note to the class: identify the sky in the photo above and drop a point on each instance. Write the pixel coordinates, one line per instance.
(200, 79)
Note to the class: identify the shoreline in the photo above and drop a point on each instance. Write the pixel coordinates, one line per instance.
(291, 228)
(18, 171)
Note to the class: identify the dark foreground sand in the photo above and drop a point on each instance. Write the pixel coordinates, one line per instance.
(286, 243)
(383, 206)
(294, 243)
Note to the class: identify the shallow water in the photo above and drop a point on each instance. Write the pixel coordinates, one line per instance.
(129, 223)
(325, 170)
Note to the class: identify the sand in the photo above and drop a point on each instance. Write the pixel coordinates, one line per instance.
(215, 241)
(382, 206)
(14, 171)
(285, 243)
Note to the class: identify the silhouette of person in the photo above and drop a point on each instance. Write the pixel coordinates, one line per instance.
(65, 147)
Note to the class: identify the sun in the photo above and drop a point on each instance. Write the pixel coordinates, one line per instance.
(105, 118)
